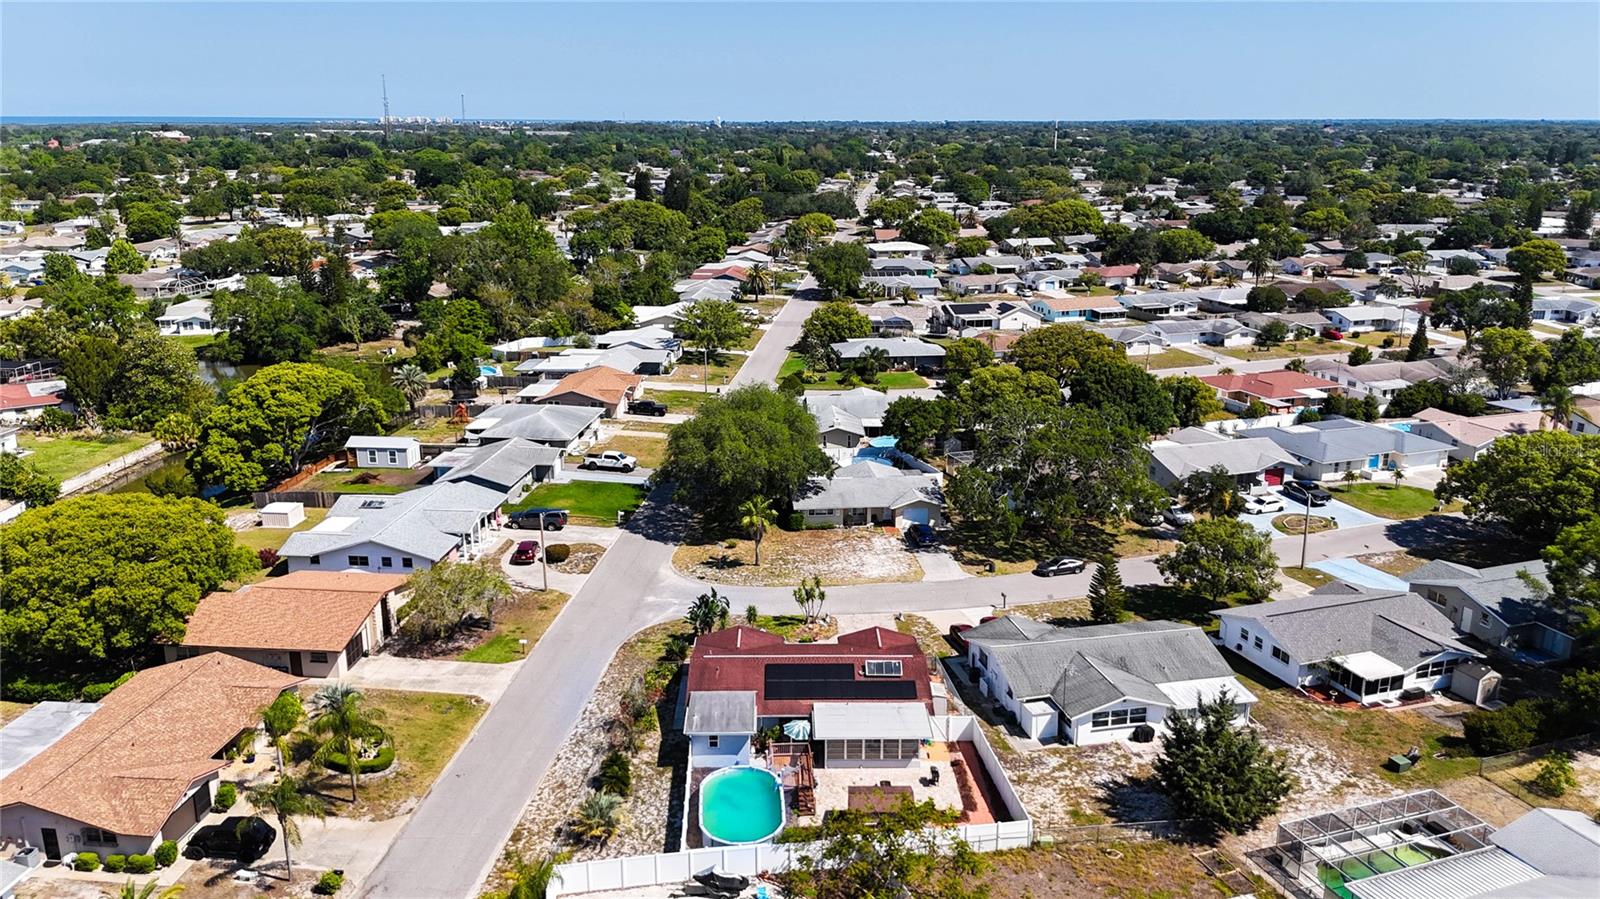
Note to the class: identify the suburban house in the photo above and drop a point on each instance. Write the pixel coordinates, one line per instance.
(1312, 322)
(1253, 461)
(1151, 306)
(1326, 449)
(1497, 606)
(899, 319)
(1048, 279)
(1469, 437)
(1116, 275)
(563, 427)
(895, 249)
(600, 387)
(1583, 277)
(1369, 646)
(904, 352)
(1280, 391)
(510, 467)
(1585, 417)
(1054, 309)
(903, 265)
(1566, 310)
(308, 623)
(1205, 331)
(656, 359)
(27, 401)
(846, 417)
(367, 451)
(924, 287)
(872, 492)
(1099, 684)
(399, 533)
(1376, 317)
(867, 696)
(1005, 265)
(140, 769)
(1376, 379)
(969, 285)
(187, 317)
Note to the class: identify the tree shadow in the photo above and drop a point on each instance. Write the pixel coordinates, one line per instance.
(1163, 602)
(1455, 539)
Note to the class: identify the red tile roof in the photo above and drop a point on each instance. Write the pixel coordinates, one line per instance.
(17, 396)
(1115, 271)
(737, 659)
(1270, 385)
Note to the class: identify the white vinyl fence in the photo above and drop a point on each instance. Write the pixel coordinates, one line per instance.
(676, 867)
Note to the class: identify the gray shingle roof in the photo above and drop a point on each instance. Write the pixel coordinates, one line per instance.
(1242, 456)
(1500, 589)
(720, 712)
(553, 424)
(1084, 668)
(427, 522)
(1402, 627)
(503, 464)
(1344, 440)
(878, 492)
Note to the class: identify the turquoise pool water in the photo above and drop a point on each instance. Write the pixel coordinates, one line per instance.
(740, 805)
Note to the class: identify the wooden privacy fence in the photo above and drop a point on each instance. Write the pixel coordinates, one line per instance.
(311, 499)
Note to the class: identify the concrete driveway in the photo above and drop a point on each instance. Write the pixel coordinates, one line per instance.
(571, 472)
(385, 672)
(1342, 513)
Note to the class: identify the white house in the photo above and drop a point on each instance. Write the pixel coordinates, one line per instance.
(1369, 646)
(384, 452)
(872, 493)
(187, 317)
(1099, 684)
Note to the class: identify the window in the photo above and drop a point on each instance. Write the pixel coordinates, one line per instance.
(405, 562)
(94, 836)
(1436, 668)
(1258, 641)
(388, 561)
(359, 561)
(320, 657)
(1118, 718)
(1244, 633)
(1280, 655)
(394, 457)
(316, 560)
(372, 456)
(883, 668)
(712, 741)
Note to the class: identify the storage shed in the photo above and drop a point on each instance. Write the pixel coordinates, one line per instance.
(282, 515)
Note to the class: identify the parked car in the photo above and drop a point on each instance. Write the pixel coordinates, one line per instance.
(1307, 493)
(920, 536)
(528, 519)
(609, 460)
(526, 553)
(1177, 516)
(1257, 505)
(958, 635)
(1058, 565)
(647, 407)
(1332, 334)
(239, 839)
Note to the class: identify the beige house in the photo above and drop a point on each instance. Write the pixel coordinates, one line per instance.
(308, 623)
(140, 769)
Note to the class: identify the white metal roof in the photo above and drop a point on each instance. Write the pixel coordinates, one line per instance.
(1369, 665)
(870, 720)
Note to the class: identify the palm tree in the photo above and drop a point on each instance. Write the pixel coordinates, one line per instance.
(756, 515)
(1350, 477)
(760, 279)
(1205, 272)
(1229, 279)
(1260, 260)
(340, 716)
(530, 880)
(286, 799)
(1559, 405)
(1399, 474)
(871, 361)
(707, 613)
(598, 817)
(131, 890)
(412, 381)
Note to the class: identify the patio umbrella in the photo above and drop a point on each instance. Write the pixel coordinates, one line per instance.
(798, 729)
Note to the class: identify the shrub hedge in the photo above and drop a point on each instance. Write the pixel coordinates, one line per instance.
(166, 853)
(114, 864)
(556, 553)
(141, 864)
(329, 883)
(86, 861)
(227, 795)
(337, 762)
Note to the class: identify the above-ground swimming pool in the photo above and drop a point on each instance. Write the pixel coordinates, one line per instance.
(740, 805)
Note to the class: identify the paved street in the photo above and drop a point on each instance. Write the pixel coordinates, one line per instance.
(765, 360)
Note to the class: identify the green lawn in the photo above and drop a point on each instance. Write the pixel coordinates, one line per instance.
(596, 501)
(685, 401)
(63, 457)
(525, 618)
(1287, 350)
(889, 380)
(1311, 577)
(1166, 359)
(194, 341)
(256, 539)
(1388, 500)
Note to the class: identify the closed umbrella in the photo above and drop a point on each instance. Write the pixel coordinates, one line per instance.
(798, 729)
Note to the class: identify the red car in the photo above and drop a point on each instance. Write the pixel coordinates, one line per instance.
(1332, 334)
(526, 553)
(956, 635)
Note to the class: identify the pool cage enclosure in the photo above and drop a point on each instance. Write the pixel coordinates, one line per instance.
(1377, 837)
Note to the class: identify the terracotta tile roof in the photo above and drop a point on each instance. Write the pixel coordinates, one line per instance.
(609, 385)
(1115, 271)
(1283, 384)
(736, 659)
(127, 766)
(306, 610)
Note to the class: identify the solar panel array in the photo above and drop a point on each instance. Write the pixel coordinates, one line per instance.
(830, 681)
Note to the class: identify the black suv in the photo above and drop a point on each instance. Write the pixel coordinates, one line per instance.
(647, 407)
(239, 839)
(1307, 492)
(528, 519)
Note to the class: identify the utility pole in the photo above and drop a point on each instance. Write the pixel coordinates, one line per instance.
(1305, 531)
(385, 109)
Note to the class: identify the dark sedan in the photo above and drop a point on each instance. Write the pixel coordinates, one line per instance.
(526, 553)
(1059, 565)
(1307, 492)
(528, 519)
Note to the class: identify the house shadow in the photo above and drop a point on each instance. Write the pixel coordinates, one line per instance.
(1456, 539)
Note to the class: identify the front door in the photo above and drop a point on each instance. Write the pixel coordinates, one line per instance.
(294, 664)
(388, 619)
(1466, 620)
(52, 845)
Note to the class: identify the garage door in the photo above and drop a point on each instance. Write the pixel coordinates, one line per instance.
(916, 514)
(1274, 476)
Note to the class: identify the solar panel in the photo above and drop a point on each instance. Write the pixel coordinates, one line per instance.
(830, 681)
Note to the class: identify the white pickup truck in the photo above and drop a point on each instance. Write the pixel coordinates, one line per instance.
(610, 460)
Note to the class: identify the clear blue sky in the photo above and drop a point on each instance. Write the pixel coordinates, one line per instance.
(764, 60)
